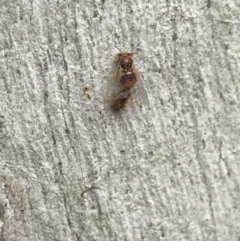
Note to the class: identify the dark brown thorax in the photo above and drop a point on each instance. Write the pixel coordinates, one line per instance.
(126, 64)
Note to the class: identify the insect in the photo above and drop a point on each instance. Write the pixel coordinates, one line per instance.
(125, 83)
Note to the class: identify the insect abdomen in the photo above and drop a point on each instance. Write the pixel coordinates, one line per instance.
(128, 80)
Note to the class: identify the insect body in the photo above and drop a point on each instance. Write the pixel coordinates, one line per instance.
(125, 83)
(127, 77)
(128, 80)
(121, 99)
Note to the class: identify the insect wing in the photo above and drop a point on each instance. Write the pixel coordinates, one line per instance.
(138, 92)
(113, 87)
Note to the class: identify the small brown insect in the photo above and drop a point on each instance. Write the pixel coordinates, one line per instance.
(121, 99)
(125, 81)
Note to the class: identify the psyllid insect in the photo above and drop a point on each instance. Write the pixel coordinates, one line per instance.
(125, 83)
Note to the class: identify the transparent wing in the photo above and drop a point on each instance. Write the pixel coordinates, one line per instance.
(113, 87)
(138, 92)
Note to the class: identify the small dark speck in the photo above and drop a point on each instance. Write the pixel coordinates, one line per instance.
(46, 95)
(196, 96)
(67, 130)
(173, 66)
(54, 139)
(21, 18)
(162, 231)
(203, 143)
(2, 211)
(5, 55)
(221, 96)
(150, 153)
(50, 39)
(209, 3)
(89, 97)
(95, 13)
(59, 163)
(190, 43)
(179, 164)
(174, 37)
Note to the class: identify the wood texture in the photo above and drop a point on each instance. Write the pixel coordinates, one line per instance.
(71, 170)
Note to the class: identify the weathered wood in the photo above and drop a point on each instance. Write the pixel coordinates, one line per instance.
(72, 170)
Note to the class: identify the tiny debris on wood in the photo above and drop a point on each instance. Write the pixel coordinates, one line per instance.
(86, 89)
(89, 189)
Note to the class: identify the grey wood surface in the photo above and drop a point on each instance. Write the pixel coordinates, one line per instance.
(71, 169)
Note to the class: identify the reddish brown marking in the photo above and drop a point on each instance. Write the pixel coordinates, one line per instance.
(128, 80)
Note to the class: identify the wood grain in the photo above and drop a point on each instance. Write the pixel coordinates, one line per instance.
(70, 170)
